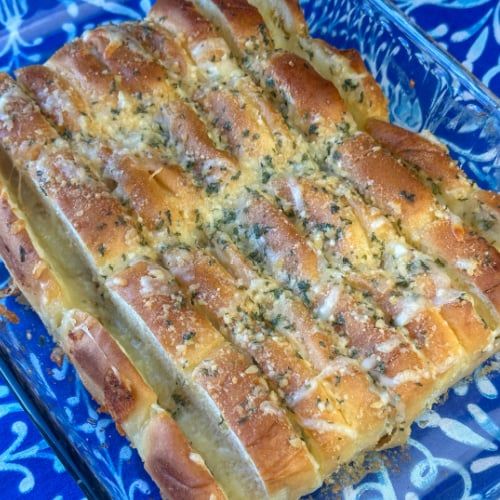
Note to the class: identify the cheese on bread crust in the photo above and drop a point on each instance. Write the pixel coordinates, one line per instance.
(293, 290)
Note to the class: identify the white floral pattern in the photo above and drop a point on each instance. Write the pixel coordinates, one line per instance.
(454, 448)
(468, 29)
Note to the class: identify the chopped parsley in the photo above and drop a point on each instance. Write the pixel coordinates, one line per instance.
(349, 85)
(407, 196)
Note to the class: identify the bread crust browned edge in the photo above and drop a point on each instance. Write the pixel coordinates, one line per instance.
(301, 473)
(103, 367)
(438, 169)
(363, 95)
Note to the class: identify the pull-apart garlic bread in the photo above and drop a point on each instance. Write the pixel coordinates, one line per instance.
(274, 279)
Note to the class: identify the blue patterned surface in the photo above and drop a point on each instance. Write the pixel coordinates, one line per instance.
(27, 468)
(454, 449)
(468, 29)
(27, 463)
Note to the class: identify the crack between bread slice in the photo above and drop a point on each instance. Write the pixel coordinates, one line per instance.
(325, 136)
(185, 358)
(101, 363)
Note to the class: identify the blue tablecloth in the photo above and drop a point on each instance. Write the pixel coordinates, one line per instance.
(469, 29)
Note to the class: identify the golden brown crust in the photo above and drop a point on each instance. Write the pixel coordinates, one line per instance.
(379, 177)
(117, 386)
(50, 92)
(180, 19)
(232, 259)
(137, 73)
(97, 217)
(242, 113)
(188, 338)
(225, 108)
(437, 341)
(353, 319)
(394, 189)
(359, 401)
(477, 207)
(413, 148)
(105, 370)
(79, 64)
(208, 283)
(491, 199)
(113, 69)
(344, 68)
(313, 100)
(292, 253)
(471, 331)
(146, 196)
(292, 259)
(391, 364)
(246, 25)
(243, 396)
(364, 97)
(315, 207)
(161, 45)
(293, 20)
(24, 131)
(187, 130)
(471, 255)
(238, 121)
(159, 193)
(133, 286)
(150, 185)
(176, 468)
(182, 15)
(153, 293)
(428, 331)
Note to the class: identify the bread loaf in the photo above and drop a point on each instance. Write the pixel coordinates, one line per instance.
(102, 365)
(291, 291)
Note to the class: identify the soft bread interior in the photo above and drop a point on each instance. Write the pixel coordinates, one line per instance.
(219, 447)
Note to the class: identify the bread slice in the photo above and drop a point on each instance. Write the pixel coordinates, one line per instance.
(134, 287)
(103, 366)
(343, 67)
(430, 160)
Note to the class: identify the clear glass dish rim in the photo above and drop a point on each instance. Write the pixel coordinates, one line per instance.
(439, 54)
(86, 478)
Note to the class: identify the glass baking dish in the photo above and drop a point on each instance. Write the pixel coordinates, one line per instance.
(453, 450)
